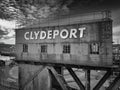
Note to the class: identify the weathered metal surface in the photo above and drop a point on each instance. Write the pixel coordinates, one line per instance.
(59, 79)
(33, 77)
(82, 42)
(73, 19)
(77, 80)
(115, 84)
(101, 82)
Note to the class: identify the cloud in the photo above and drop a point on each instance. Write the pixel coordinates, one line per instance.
(8, 41)
(8, 24)
(7, 33)
(2, 33)
(9, 38)
(116, 34)
(11, 34)
(116, 17)
(116, 30)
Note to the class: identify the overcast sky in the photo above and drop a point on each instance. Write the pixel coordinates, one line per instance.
(76, 7)
(80, 6)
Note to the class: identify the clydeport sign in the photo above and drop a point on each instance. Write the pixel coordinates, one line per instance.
(52, 34)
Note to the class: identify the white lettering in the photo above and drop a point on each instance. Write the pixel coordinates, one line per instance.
(49, 34)
(42, 35)
(81, 31)
(31, 35)
(73, 33)
(55, 33)
(36, 34)
(65, 32)
(25, 35)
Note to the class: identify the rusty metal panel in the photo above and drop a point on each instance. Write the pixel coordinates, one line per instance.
(90, 43)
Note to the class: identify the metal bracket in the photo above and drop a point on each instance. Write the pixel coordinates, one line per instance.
(76, 78)
(101, 82)
(60, 80)
(115, 84)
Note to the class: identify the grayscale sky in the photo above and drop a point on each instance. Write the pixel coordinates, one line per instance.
(75, 7)
(87, 6)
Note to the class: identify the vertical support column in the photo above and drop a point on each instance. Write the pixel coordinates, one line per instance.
(87, 76)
